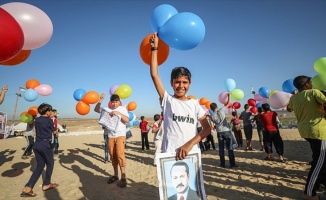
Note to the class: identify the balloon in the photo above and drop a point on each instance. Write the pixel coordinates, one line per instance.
(229, 84)
(30, 95)
(320, 65)
(33, 110)
(288, 86)
(130, 123)
(264, 100)
(91, 97)
(36, 25)
(82, 108)
(136, 123)
(236, 105)
(264, 92)
(191, 97)
(22, 113)
(237, 94)
(251, 102)
(131, 116)
(11, 36)
(279, 99)
(272, 92)
(258, 105)
(160, 15)
(319, 82)
(207, 104)
(26, 118)
(32, 83)
(131, 106)
(79, 94)
(43, 89)
(124, 91)
(17, 59)
(253, 109)
(146, 54)
(223, 97)
(183, 31)
(113, 89)
(257, 97)
(202, 101)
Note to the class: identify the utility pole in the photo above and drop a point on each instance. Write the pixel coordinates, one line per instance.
(14, 115)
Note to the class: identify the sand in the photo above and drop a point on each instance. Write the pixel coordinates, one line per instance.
(81, 173)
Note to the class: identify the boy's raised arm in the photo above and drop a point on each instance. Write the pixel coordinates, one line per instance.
(154, 66)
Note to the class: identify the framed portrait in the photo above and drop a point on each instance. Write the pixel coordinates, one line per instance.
(180, 178)
(3, 122)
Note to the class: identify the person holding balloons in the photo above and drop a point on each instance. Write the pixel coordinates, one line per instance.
(307, 105)
(247, 126)
(3, 93)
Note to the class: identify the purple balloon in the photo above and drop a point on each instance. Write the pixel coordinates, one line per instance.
(43, 89)
(113, 89)
(223, 97)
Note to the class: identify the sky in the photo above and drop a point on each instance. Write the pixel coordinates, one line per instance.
(95, 45)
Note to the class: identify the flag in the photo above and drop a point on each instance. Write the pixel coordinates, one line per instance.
(21, 89)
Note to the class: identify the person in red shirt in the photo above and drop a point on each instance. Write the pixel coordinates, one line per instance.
(271, 134)
(143, 125)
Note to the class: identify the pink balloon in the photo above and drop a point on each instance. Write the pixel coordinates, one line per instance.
(223, 97)
(264, 100)
(43, 89)
(279, 99)
(36, 25)
(113, 89)
(257, 97)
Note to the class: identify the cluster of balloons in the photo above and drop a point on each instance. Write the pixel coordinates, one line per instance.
(23, 27)
(124, 90)
(319, 81)
(230, 87)
(84, 100)
(28, 116)
(33, 88)
(182, 31)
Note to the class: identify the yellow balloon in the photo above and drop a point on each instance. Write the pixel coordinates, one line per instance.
(124, 91)
(237, 94)
(272, 92)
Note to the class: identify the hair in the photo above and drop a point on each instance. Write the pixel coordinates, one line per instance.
(142, 117)
(300, 81)
(54, 110)
(234, 113)
(114, 97)
(180, 71)
(156, 117)
(266, 107)
(180, 163)
(260, 110)
(246, 106)
(43, 108)
(213, 106)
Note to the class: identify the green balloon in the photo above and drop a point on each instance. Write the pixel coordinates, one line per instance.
(320, 65)
(26, 118)
(237, 94)
(319, 82)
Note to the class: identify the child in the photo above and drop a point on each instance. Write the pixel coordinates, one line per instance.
(29, 136)
(180, 113)
(235, 122)
(210, 138)
(144, 133)
(55, 144)
(260, 127)
(247, 126)
(43, 152)
(117, 138)
(158, 133)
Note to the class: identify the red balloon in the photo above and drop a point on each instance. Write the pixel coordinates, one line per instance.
(253, 109)
(11, 36)
(252, 102)
(236, 105)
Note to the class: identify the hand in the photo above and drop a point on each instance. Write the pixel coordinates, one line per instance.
(154, 40)
(183, 151)
(5, 88)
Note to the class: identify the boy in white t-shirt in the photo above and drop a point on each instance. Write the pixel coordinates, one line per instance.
(117, 137)
(180, 113)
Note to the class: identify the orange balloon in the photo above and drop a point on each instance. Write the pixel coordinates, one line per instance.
(131, 106)
(202, 101)
(19, 58)
(82, 108)
(145, 51)
(207, 104)
(91, 97)
(32, 83)
(191, 97)
(33, 110)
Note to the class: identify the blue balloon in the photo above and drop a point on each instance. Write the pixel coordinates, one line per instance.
(79, 94)
(183, 31)
(30, 95)
(131, 116)
(258, 105)
(229, 84)
(288, 86)
(136, 122)
(160, 15)
(264, 92)
(130, 123)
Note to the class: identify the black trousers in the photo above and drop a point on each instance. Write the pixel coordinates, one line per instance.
(29, 147)
(144, 140)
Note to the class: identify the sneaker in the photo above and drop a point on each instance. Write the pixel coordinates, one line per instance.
(232, 166)
(223, 166)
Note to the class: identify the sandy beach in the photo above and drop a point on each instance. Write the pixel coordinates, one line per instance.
(81, 173)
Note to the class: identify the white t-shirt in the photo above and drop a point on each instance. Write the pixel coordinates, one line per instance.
(180, 122)
(121, 128)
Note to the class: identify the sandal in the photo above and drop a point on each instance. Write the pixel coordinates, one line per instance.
(112, 179)
(49, 187)
(268, 158)
(28, 194)
(122, 183)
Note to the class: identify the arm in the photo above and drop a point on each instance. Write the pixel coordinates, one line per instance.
(154, 67)
(3, 93)
(184, 150)
(124, 118)
(98, 105)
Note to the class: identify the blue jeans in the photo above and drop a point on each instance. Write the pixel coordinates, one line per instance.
(225, 138)
(106, 148)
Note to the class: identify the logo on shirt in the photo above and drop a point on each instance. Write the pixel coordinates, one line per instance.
(186, 119)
